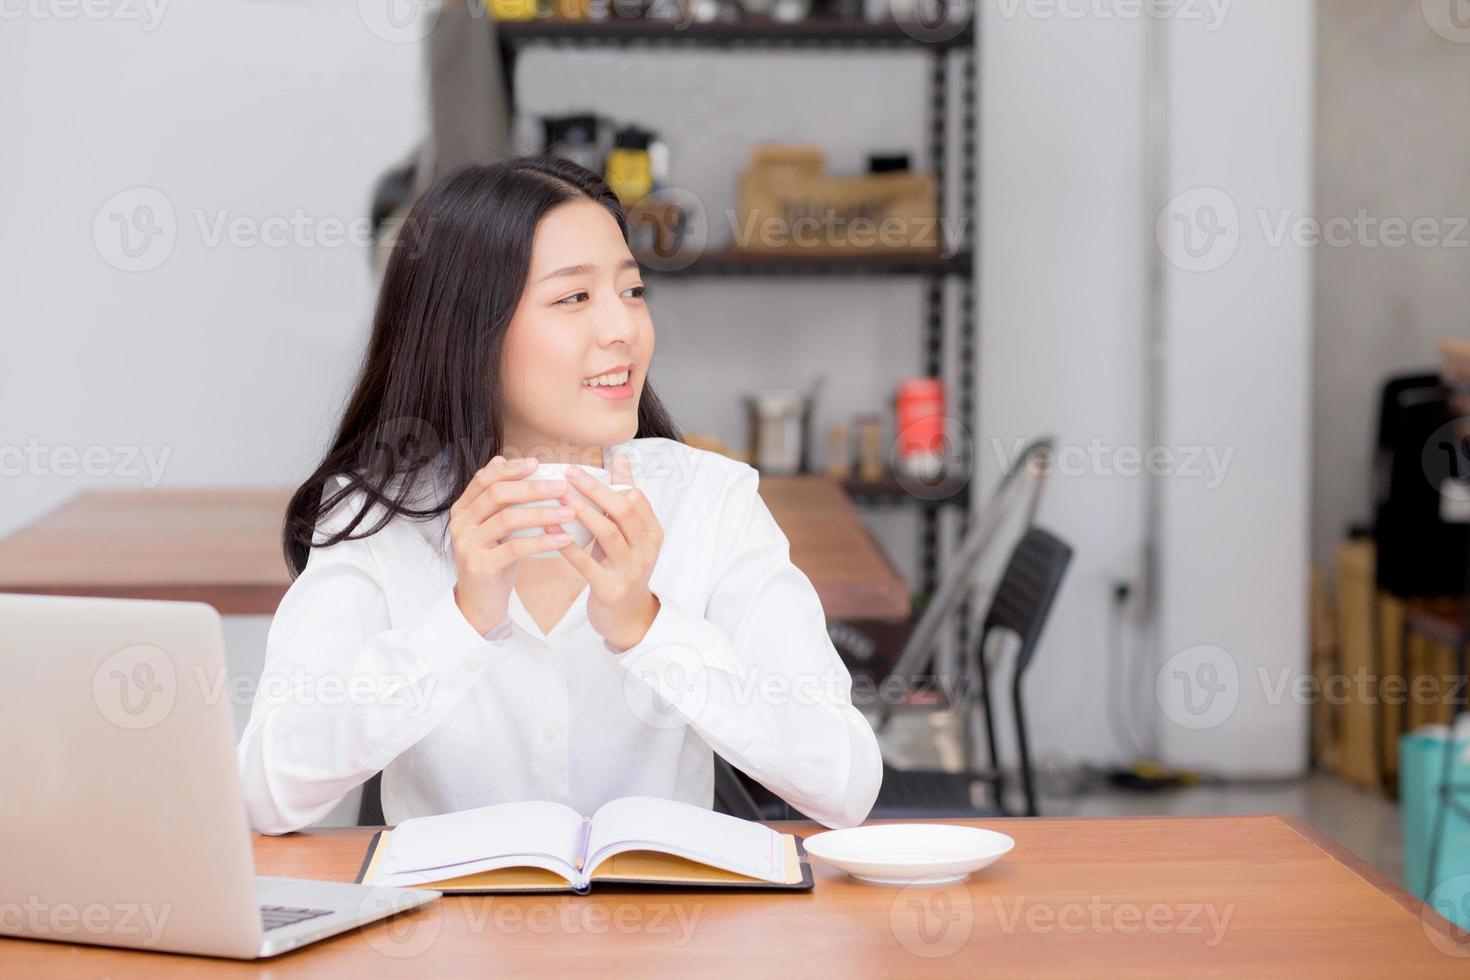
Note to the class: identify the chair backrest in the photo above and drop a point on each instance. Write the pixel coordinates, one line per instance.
(1023, 600)
(370, 808)
(1019, 487)
(1027, 589)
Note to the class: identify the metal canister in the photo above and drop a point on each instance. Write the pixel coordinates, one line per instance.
(777, 425)
(839, 452)
(870, 448)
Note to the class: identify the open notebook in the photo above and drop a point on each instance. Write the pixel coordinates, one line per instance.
(549, 847)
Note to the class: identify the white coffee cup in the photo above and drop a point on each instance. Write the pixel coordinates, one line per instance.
(581, 535)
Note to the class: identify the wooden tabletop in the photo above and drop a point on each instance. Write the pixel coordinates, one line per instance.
(832, 545)
(1259, 896)
(223, 547)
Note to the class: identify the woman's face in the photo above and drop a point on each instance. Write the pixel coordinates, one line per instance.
(582, 315)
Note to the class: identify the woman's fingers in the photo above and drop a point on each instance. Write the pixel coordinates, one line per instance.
(622, 523)
(488, 535)
(500, 496)
(499, 471)
(605, 531)
(622, 468)
(479, 555)
(487, 476)
(514, 549)
(507, 493)
(646, 519)
(598, 575)
(618, 504)
(516, 519)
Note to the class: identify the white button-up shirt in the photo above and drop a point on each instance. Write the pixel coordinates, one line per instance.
(370, 666)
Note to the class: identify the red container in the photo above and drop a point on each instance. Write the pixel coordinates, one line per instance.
(920, 413)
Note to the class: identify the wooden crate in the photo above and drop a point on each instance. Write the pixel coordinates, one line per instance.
(1324, 666)
(1356, 752)
(1393, 683)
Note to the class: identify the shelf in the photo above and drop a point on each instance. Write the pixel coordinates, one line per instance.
(748, 32)
(889, 490)
(744, 263)
(949, 50)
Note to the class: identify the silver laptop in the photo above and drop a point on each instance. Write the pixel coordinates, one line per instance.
(121, 818)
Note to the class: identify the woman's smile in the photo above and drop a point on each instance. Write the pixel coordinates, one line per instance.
(601, 387)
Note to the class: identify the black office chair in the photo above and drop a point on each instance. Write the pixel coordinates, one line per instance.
(370, 810)
(1019, 605)
(1023, 600)
(928, 794)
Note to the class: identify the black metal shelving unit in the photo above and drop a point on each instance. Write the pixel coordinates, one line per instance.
(949, 48)
(749, 263)
(825, 31)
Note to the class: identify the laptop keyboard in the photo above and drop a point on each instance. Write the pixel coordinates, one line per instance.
(276, 916)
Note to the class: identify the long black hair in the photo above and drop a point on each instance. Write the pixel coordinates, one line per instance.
(430, 378)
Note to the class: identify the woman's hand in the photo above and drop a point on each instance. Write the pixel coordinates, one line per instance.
(620, 607)
(481, 517)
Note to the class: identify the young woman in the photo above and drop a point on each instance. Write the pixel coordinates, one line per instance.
(418, 640)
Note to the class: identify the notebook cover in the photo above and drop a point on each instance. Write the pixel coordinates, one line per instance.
(805, 884)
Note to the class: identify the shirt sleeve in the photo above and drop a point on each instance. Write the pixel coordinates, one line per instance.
(756, 675)
(341, 693)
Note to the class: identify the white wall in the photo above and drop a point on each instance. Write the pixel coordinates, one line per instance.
(1061, 313)
(223, 361)
(1068, 234)
(1234, 559)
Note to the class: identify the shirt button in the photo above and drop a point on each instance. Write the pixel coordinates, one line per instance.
(549, 734)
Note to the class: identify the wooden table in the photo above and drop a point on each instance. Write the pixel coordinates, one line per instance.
(223, 547)
(1167, 897)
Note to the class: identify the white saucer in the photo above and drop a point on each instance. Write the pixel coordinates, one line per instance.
(909, 853)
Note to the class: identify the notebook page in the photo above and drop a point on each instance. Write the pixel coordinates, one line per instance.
(636, 823)
(446, 845)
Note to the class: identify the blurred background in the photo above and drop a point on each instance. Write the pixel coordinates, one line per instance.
(1125, 340)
